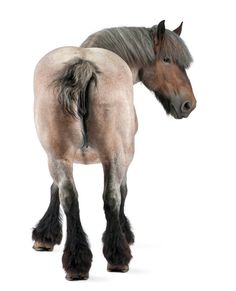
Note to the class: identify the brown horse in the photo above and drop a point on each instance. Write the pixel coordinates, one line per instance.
(84, 113)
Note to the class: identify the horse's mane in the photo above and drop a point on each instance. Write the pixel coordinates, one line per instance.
(135, 45)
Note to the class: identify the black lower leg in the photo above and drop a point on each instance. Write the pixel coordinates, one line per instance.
(116, 249)
(48, 231)
(77, 257)
(125, 224)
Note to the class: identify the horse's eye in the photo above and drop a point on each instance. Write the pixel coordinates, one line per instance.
(167, 60)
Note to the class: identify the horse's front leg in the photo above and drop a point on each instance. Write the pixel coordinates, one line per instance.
(116, 248)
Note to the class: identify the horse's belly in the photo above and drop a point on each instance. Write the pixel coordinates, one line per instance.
(87, 156)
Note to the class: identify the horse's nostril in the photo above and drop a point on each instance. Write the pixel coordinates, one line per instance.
(186, 106)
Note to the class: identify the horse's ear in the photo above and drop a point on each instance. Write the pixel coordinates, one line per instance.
(178, 30)
(161, 30)
(158, 32)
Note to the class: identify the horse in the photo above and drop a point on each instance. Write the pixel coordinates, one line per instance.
(84, 113)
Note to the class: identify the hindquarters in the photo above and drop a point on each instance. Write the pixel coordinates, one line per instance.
(84, 105)
(62, 101)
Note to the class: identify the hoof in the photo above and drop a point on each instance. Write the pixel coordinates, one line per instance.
(76, 276)
(43, 247)
(117, 268)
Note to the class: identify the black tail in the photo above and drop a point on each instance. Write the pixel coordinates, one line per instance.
(72, 85)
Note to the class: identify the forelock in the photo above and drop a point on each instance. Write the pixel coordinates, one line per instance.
(173, 47)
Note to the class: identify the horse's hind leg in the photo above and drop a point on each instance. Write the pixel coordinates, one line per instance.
(77, 257)
(116, 249)
(48, 231)
(125, 224)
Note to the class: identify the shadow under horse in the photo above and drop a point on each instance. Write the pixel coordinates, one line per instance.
(84, 113)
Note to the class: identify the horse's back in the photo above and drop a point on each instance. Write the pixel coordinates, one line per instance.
(110, 102)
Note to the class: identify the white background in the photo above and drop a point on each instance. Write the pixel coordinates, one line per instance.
(182, 181)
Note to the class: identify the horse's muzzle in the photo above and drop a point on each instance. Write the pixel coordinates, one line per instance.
(183, 110)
